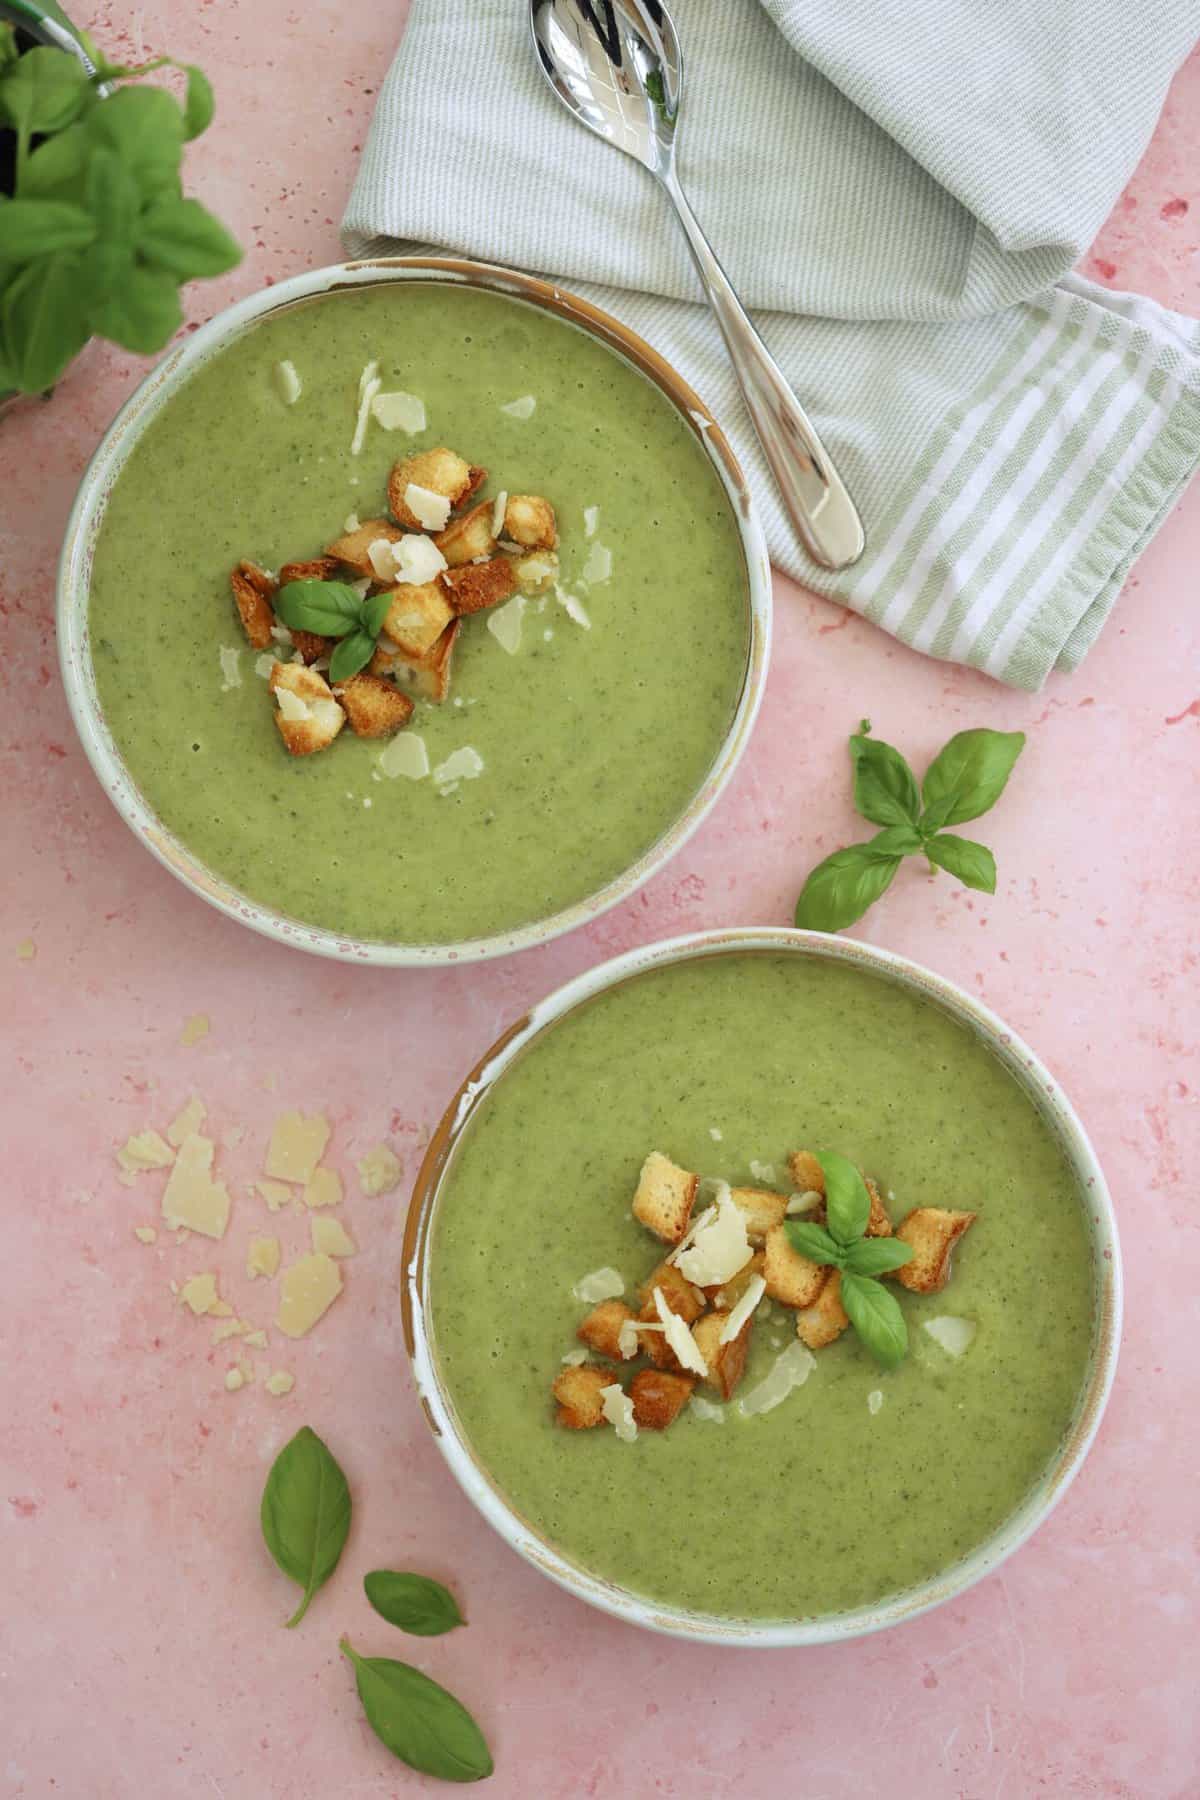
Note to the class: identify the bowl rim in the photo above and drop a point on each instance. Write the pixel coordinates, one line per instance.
(1035, 1080)
(142, 406)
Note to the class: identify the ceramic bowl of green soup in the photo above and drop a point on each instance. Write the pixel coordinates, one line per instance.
(828, 1492)
(583, 735)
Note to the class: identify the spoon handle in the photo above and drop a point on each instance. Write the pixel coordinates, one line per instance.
(812, 490)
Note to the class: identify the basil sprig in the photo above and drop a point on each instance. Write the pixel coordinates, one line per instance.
(841, 1243)
(965, 779)
(419, 1722)
(415, 1603)
(333, 610)
(305, 1513)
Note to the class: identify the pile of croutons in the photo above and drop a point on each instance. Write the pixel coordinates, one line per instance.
(440, 563)
(694, 1331)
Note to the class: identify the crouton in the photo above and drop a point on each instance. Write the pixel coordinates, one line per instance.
(653, 1343)
(317, 568)
(441, 471)
(529, 521)
(309, 647)
(308, 717)
(725, 1361)
(417, 616)
(878, 1224)
(679, 1294)
(427, 676)
(479, 585)
(664, 1197)
(727, 1294)
(658, 1398)
(761, 1210)
(807, 1172)
(536, 571)
(932, 1234)
(792, 1279)
(601, 1329)
(825, 1320)
(352, 547)
(374, 707)
(253, 592)
(467, 538)
(578, 1392)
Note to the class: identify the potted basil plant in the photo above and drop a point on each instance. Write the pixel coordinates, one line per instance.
(96, 236)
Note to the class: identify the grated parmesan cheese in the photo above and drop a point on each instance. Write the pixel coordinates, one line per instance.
(230, 660)
(287, 382)
(417, 559)
(520, 409)
(791, 1369)
(504, 623)
(953, 1334)
(707, 1409)
(874, 1400)
(398, 411)
(307, 1289)
(598, 566)
(573, 1358)
(499, 508)
(617, 1408)
(405, 755)
(428, 507)
(679, 1337)
(719, 1247)
(280, 1382)
(756, 1287)
(601, 1284)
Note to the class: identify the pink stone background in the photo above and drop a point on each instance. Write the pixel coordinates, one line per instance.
(140, 1649)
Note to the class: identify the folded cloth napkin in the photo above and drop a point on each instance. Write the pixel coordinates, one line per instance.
(899, 189)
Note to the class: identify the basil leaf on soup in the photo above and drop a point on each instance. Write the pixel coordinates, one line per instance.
(876, 1256)
(973, 863)
(305, 1513)
(413, 1602)
(841, 888)
(351, 655)
(875, 1314)
(847, 1202)
(329, 608)
(968, 776)
(375, 610)
(885, 788)
(813, 1241)
(418, 1721)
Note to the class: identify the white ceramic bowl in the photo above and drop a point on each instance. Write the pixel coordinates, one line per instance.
(1050, 1102)
(75, 570)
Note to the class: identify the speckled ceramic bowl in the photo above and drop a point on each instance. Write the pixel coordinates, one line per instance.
(156, 391)
(1050, 1102)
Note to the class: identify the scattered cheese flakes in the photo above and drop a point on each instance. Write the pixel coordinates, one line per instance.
(262, 1257)
(187, 1122)
(323, 1188)
(297, 1146)
(200, 1293)
(288, 382)
(280, 1382)
(499, 508)
(144, 1150)
(463, 764)
(504, 623)
(194, 1029)
(707, 1409)
(601, 1284)
(803, 1203)
(719, 1247)
(627, 1340)
(417, 559)
(617, 1408)
(351, 522)
(330, 1237)
(573, 1358)
(791, 1369)
(404, 755)
(591, 521)
(598, 566)
(520, 409)
(398, 411)
(256, 1339)
(429, 508)
(379, 1171)
(764, 1172)
(381, 558)
(307, 1289)
(191, 1197)
(369, 385)
(230, 660)
(292, 707)
(679, 1337)
(26, 950)
(234, 1379)
(274, 1193)
(953, 1334)
(874, 1400)
(574, 609)
(756, 1287)
(715, 1133)
(145, 1234)
(264, 664)
(228, 1328)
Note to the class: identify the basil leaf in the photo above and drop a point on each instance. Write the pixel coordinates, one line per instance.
(184, 238)
(105, 268)
(55, 170)
(31, 228)
(875, 1314)
(305, 1513)
(145, 128)
(45, 320)
(8, 46)
(847, 1202)
(968, 776)
(973, 863)
(841, 888)
(413, 1602)
(419, 1722)
(142, 313)
(374, 611)
(885, 788)
(199, 105)
(329, 608)
(112, 197)
(813, 1241)
(43, 90)
(352, 654)
(876, 1256)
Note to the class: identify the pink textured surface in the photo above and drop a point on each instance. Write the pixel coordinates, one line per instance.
(140, 1649)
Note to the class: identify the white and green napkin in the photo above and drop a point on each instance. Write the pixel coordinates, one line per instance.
(899, 189)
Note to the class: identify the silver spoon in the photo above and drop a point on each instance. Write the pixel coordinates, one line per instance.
(616, 65)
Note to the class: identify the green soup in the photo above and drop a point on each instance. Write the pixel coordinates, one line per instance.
(829, 1501)
(593, 741)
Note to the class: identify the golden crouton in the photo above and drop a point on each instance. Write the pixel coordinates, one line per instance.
(664, 1198)
(658, 1398)
(374, 707)
(536, 571)
(351, 548)
(308, 717)
(727, 1294)
(807, 1172)
(933, 1235)
(677, 1291)
(427, 676)
(878, 1224)
(725, 1361)
(253, 591)
(601, 1329)
(310, 647)
(479, 585)
(761, 1209)
(418, 615)
(467, 538)
(441, 471)
(791, 1279)
(818, 1324)
(317, 568)
(578, 1394)
(654, 1343)
(529, 521)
